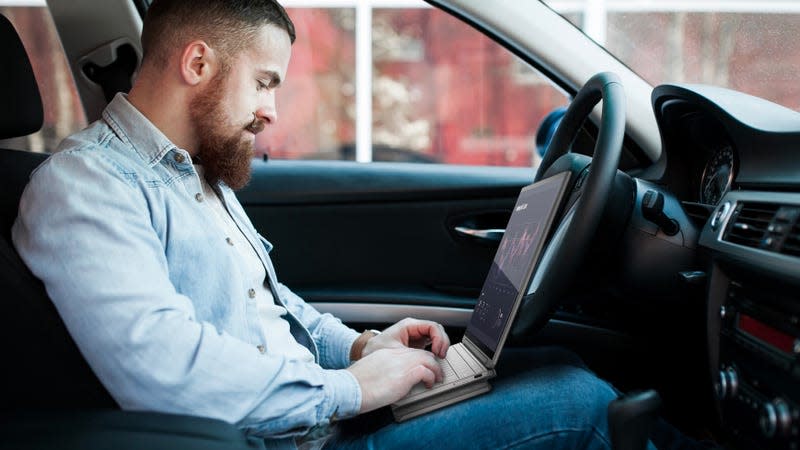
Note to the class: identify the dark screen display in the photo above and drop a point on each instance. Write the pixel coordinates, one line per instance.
(766, 334)
(508, 274)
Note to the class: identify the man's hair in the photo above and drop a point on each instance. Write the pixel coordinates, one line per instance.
(226, 25)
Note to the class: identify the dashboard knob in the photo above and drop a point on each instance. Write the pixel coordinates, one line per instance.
(775, 419)
(722, 386)
(728, 384)
(733, 382)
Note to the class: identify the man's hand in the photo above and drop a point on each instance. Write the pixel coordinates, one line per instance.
(387, 375)
(411, 333)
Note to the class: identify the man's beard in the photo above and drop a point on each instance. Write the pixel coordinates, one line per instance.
(224, 157)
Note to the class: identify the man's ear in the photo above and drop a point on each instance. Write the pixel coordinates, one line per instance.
(198, 63)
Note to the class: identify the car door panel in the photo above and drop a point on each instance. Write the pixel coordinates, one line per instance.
(382, 235)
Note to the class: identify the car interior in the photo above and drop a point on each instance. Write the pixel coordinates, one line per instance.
(671, 273)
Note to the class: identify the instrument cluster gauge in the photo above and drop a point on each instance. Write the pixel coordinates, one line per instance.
(717, 175)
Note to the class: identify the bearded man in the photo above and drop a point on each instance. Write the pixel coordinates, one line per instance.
(170, 294)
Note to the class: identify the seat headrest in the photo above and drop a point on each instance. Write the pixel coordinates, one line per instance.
(20, 103)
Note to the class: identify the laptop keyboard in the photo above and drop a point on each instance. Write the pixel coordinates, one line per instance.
(454, 368)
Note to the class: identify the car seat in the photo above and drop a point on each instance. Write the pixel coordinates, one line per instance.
(44, 368)
(50, 397)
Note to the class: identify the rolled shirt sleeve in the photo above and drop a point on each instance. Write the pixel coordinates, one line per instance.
(333, 338)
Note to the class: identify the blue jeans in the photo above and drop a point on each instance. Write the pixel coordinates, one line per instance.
(542, 398)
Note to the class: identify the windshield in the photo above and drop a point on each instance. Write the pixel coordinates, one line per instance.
(746, 45)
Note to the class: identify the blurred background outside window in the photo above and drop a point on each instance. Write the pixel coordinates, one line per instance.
(396, 80)
(745, 45)
(425, 88)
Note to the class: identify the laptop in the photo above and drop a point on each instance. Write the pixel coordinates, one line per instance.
(470, 364)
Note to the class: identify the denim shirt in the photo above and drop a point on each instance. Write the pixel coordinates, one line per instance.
(156, 299)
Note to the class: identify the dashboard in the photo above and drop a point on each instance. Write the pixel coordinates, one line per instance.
(733, 163)
(720, 140)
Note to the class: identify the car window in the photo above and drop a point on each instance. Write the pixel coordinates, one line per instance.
(425, 88)
(437, 90)
(63, 112)
(745, 45)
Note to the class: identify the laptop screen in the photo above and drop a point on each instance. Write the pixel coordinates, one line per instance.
(514, 262)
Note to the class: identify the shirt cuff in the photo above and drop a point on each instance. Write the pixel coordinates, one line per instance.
(335, 347)
(344, 396)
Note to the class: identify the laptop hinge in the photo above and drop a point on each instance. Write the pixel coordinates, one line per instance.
(477, 353)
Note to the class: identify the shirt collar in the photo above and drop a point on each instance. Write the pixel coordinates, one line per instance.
(133, 128)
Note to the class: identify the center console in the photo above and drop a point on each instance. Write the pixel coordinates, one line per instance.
(754, 319)
(758, 380)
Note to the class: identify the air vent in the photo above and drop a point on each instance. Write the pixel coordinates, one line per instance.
(791, 246)
(749, 224)
(767, 226)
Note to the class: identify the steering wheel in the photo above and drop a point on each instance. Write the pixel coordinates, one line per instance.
(592, 180)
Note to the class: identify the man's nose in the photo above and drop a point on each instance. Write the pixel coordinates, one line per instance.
(266, 111)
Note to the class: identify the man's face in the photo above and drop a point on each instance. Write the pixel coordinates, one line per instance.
(237, 104)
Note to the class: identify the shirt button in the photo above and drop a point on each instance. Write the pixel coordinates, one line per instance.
(198, 197)
(261, 349)
(229, 241)
(179, 158)
(251, 293)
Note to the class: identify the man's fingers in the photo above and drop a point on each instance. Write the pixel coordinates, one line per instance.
(423, 374)
(440, 343)
(433, 365)
(438, 338)
(427, 369)
(423, 332)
